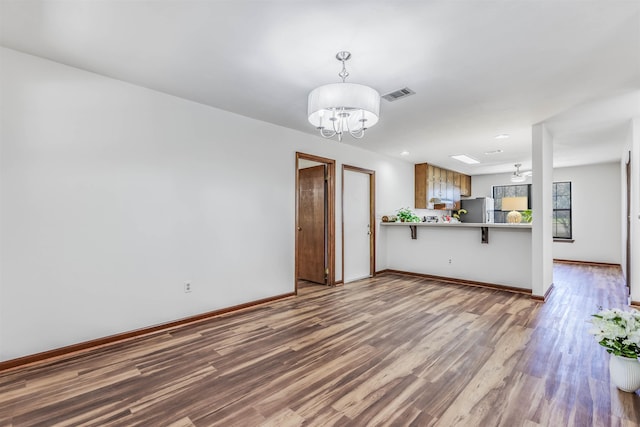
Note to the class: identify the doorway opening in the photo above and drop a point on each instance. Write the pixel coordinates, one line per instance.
(315, 220)
(358, 223)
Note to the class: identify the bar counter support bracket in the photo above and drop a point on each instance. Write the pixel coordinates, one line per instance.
(414, 231)
(485, 234)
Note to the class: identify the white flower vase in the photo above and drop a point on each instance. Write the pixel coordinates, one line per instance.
(625, 373)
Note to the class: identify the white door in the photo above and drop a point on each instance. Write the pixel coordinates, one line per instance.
(357, 231)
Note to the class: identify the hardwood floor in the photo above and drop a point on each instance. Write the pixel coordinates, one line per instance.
(393, 350)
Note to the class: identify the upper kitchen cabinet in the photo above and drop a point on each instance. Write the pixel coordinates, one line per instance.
(437, 188)
(465, 185)
(421, 188)
(457, 190)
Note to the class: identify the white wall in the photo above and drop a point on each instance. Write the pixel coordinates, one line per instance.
(458, 252)
(596, 203)
(481, 184)
(542, 210)
(113, 196)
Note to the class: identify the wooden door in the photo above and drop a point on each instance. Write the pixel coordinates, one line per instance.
(311, 224)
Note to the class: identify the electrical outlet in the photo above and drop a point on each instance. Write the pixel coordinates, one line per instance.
(450, 260)
(187, 287)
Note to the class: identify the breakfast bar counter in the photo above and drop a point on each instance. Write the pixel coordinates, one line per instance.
(494, 254)
(458, 224)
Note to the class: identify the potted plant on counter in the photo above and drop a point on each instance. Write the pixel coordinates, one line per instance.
(407, 215)
(619, 332)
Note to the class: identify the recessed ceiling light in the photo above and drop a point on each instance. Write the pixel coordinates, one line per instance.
(465, 159)
(489, 153)
(502, 136)
(405, 153)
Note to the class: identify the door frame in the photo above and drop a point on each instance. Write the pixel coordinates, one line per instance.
(372, 209)
(330, 219)
(628, 220)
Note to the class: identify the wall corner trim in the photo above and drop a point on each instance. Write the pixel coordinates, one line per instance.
(545, 297)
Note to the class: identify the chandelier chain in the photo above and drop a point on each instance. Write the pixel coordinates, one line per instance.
(343, 74)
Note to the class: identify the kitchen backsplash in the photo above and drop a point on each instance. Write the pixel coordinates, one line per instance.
(432, 212)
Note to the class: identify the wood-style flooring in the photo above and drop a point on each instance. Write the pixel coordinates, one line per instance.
(392, 350)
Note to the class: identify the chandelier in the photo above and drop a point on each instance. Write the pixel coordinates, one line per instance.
(339, 108)
(517, 176)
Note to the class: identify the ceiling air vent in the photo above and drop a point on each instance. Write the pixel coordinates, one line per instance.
(398, 94)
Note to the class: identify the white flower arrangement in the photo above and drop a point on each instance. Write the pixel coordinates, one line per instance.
(618, 331)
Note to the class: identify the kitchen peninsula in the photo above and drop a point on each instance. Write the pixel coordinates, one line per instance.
(457, 251)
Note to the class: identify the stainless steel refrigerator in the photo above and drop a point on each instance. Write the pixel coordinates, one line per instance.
(479, 210)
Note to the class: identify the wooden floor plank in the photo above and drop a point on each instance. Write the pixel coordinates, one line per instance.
(393, 350)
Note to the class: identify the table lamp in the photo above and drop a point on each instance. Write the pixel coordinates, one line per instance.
(514, 204)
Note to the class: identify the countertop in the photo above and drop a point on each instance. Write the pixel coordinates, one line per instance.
(458, 224)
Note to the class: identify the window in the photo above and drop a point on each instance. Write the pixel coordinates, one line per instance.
(561, 194)
(562, 210)
(500, 191)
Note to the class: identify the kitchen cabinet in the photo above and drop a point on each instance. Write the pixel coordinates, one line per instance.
(435, 182)
(438, 188)
(465, 185)
(456, 190)
(422, 191)
(450, 202)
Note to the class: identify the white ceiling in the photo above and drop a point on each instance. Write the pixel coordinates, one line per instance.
(479, 68)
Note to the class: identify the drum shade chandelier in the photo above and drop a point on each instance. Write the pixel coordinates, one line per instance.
(339, 108)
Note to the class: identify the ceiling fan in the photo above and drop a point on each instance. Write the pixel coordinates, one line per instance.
(518, 176)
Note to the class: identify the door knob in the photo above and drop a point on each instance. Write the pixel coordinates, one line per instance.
(299, 228)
